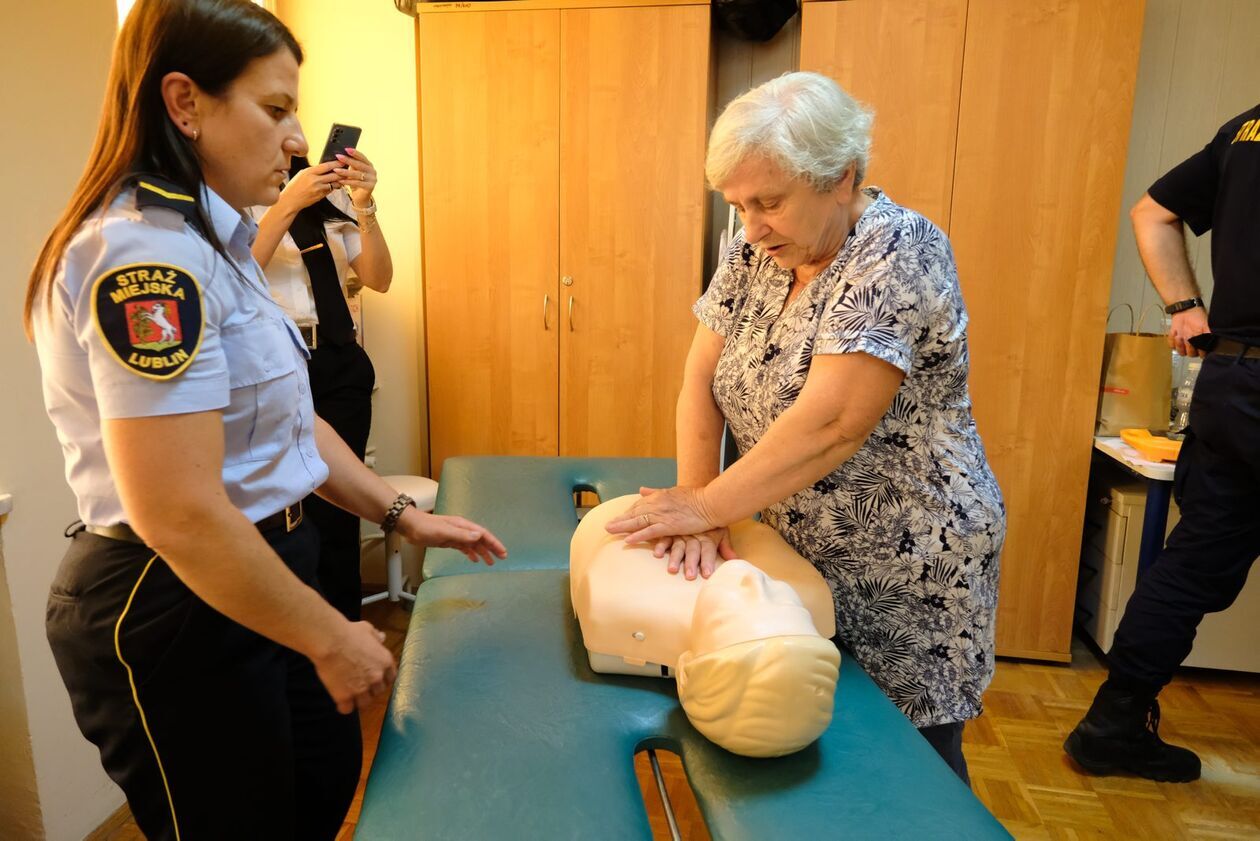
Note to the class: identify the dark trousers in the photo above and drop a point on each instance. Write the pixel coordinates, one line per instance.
(1204, 565)
(946, 739)
(211, 730)
(341, 388)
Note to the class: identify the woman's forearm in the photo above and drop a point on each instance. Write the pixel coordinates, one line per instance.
(797, 450)
(222, 557)
(699, 434)
(272, 227)
(209, 544)
(374, 266)
(842, 402)
(351, 485)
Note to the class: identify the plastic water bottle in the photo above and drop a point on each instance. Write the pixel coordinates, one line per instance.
(1182, 394)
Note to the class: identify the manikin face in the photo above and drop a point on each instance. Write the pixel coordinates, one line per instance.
(786, 217)
(250, 132)
(740, 603)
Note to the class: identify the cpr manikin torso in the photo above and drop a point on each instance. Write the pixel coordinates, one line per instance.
(749, 645)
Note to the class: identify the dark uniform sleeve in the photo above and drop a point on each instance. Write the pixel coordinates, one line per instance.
(1189, 189)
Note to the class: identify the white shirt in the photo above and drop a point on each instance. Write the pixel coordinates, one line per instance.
(286, 273)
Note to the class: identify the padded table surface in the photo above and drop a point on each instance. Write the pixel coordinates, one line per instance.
(528, 503)
(498, 729)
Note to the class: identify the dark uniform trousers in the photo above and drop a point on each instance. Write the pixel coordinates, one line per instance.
(211, 731)
(1204, 565)
(342, 377)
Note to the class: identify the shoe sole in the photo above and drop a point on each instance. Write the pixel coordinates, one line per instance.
(1073, 747)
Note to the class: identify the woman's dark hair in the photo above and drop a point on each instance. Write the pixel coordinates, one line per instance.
(212, 41)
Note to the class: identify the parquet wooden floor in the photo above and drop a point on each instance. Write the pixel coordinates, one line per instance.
(1015, 754)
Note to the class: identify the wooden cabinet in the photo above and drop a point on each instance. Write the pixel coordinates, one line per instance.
(563, 210)
(903, 58)
(1025, 176)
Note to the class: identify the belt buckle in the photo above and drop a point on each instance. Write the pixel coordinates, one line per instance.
(293, 516)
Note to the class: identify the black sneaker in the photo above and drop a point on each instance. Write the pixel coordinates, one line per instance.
(1121, 733)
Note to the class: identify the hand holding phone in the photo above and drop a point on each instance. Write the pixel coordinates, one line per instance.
(340, 137)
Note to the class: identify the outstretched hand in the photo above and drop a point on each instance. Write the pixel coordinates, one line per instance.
(447, 532)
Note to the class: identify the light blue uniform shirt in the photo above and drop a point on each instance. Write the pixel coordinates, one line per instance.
(250, 363)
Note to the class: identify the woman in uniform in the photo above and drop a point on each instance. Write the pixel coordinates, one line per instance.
(185, 620)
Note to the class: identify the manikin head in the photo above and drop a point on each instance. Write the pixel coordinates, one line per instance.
(758, 679)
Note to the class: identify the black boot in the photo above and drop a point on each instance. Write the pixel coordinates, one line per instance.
(1121, 733)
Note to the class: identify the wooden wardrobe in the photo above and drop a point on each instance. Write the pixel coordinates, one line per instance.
(562, 190)
(1006, 122)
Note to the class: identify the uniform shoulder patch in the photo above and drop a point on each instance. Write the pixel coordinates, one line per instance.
(150, 316)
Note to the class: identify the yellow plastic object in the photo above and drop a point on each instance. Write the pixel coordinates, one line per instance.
(1151, 447)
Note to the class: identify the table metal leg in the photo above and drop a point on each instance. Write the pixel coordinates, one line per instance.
(665, 804)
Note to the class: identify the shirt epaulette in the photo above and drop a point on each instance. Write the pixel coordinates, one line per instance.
(155, 191)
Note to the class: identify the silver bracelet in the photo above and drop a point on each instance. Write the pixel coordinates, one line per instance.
(396, 509)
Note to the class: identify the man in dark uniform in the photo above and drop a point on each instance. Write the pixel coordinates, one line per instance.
(1217, 481)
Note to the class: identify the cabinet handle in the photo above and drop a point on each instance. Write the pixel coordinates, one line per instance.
(546, 304)
(570, 313)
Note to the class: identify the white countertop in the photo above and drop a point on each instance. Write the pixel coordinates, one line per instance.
(1126, 455)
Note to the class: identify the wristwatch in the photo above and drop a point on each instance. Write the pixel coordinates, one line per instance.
(1182, 306)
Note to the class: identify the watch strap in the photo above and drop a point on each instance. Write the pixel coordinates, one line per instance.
(1182, 306)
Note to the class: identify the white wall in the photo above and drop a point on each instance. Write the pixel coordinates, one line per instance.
(53, 59)
(1199, 67)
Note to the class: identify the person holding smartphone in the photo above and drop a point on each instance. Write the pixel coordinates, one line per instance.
(185, 620)
(323, 228)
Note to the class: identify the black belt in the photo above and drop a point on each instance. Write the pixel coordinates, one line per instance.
(288, 519)
(313, 336)
(1241, 350)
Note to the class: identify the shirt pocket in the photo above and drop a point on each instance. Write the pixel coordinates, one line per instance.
(263, 417)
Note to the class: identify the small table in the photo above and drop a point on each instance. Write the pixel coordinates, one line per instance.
(1159, 481)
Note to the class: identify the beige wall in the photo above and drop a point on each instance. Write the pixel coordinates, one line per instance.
(54, 59)
(19, 794)
(1199, 67)
(360, 69)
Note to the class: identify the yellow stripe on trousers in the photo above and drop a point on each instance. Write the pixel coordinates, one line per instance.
(131, 678)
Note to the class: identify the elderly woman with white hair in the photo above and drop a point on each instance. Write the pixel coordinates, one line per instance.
(833, 342)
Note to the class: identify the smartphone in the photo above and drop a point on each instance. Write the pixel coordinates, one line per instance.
(339, 138)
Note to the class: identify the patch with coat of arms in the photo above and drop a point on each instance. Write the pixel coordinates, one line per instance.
(150, 316)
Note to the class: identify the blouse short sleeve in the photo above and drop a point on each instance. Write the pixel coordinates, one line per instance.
(719, 304)
(878, 310)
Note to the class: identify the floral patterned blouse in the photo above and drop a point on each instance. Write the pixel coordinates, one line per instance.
(908, 531)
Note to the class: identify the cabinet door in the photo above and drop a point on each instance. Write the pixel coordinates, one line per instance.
(904, 59)
(489, 116)
(634, 85)
(1047, 95)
